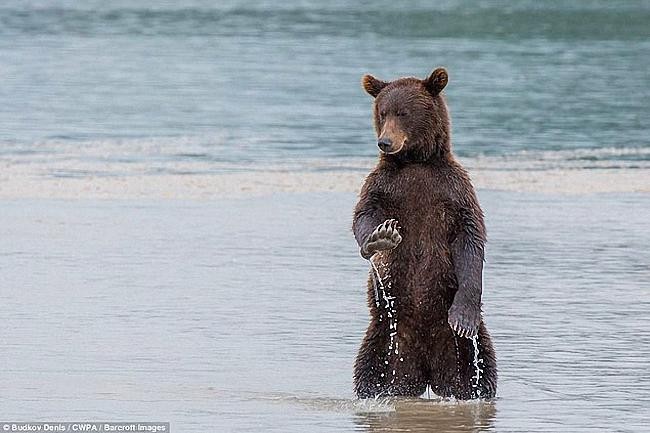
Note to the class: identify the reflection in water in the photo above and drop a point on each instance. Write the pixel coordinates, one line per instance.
(430, 416)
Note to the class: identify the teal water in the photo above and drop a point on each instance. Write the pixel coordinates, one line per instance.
(236, 81)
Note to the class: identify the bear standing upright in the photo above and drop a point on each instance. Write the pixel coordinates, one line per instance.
(419, 222)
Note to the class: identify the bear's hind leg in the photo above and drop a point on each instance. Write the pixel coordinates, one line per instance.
(378, 373)
(463, 373)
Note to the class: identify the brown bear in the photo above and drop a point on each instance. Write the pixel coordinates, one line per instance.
(420, 224)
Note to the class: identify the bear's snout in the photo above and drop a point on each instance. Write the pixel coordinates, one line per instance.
(385, 144)
(392, 137)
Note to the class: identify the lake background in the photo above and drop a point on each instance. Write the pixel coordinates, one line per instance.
(259, 82)
(176, 189)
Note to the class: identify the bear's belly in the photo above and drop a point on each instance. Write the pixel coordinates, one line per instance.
(423, 285)
(420, 268)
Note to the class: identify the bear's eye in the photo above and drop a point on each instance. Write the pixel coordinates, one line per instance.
(382, 114)
(401, 113)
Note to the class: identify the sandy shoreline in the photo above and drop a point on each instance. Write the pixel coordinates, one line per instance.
(15, 184)
(143, 170)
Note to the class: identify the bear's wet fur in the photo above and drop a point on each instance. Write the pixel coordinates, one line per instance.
(433, 276)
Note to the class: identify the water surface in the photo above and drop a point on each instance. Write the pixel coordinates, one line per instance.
(246, 314)
(237, 82)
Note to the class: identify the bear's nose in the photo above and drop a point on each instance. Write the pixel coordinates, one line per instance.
(384, 143)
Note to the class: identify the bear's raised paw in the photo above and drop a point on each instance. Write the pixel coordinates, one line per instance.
(385, 237)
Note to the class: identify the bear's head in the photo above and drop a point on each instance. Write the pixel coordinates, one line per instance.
(411, 118)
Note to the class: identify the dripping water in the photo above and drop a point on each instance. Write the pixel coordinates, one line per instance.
(477, 367)
(391, 312)
(377, 281)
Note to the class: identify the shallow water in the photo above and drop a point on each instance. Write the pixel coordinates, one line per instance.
(206, 315)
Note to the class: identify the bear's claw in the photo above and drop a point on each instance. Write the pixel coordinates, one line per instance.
(384, 237)
(464, 320)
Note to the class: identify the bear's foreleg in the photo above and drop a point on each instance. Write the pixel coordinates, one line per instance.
(467, 252)
(373, 228)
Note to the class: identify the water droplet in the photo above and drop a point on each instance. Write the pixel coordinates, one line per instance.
(477, 377)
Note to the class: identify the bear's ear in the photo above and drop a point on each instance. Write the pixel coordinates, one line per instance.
(436, 81)
(372, 85)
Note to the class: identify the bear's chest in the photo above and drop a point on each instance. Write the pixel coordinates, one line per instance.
(420, 201)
